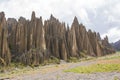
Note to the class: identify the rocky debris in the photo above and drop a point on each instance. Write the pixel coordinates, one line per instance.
(30, 42)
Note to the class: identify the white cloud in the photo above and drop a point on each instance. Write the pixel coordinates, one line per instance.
(16, 8)
(98, 15)
(82, 16)
(113, 34)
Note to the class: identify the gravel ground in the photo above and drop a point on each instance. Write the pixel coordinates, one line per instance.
(71, 76)
(55, 72)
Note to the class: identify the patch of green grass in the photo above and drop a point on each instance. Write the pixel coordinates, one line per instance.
(95, 68)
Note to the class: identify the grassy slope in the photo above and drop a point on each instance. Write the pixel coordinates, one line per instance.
(96, 68)
(107, 63)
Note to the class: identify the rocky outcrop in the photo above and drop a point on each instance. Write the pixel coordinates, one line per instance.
(31, 43)
(55, 38)
(27, 40)
(5, 56)
(107, 48)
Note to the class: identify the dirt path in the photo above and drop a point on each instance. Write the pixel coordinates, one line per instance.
(55, 72)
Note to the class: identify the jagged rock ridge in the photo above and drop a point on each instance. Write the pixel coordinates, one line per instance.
(31, 43)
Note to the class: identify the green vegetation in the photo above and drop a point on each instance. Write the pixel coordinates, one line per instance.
(83, 57)
(15, 72)
(51, 61)
(54, 60)
(83, 54)
(73, 59)
(11, 67)
(96, 68)
(99, 67)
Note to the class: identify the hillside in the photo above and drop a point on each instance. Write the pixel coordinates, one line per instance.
(116, 45)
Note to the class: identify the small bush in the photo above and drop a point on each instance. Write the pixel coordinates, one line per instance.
(54, 60)
(83, 54)
(73, 59)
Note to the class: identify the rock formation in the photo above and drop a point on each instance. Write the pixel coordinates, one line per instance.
(5, 56)
(31, 43)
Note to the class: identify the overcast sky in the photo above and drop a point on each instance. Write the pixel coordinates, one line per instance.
(102, 16)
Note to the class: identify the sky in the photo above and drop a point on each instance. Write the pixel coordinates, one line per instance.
(102, 16)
